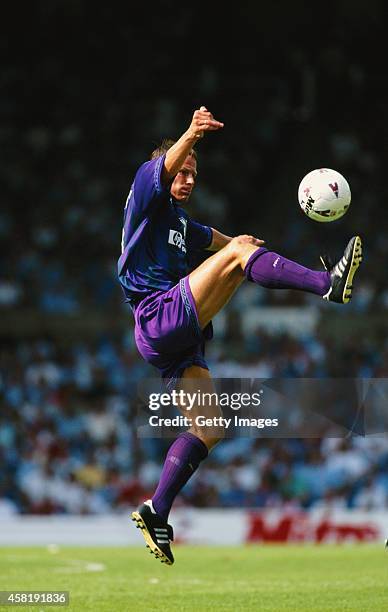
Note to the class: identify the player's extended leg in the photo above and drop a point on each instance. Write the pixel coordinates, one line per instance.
(216, 279)
(182, 460)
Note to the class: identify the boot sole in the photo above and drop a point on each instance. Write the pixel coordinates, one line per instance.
(154, 548)
(354, 265)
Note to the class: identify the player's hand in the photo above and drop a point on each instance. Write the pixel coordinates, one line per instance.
(244, 239)
(203, 121)
(247, 239)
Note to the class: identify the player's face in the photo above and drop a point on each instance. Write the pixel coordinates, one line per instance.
(183, 183)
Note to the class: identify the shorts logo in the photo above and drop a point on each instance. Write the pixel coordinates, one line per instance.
(177, 240)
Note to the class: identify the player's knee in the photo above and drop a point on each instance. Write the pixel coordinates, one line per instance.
(239, 244)
(209, 435)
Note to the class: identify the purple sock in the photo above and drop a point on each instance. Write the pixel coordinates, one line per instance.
(183, 458)
(271, 270)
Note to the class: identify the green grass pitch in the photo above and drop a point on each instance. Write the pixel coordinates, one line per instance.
(258, 578)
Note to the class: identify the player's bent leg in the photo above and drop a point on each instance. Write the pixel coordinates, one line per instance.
(214, 282)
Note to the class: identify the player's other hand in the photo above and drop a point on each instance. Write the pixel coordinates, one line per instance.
(203, 121)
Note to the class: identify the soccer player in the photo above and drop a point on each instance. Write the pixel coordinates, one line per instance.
(173, 306)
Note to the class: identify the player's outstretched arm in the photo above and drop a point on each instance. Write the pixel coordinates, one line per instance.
(219, 241)
(202, 121)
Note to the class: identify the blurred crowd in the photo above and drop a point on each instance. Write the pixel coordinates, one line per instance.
(77, 117)
(69, 441)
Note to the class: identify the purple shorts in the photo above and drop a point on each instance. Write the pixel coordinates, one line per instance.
(167, 331)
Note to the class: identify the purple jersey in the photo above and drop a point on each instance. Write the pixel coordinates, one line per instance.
(158, 236)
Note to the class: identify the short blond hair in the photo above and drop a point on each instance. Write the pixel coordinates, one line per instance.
(164, 146)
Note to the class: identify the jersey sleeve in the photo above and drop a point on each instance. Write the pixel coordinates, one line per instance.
(198, 236)
(146, 186)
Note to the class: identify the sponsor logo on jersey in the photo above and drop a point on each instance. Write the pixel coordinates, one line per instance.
(176, 238)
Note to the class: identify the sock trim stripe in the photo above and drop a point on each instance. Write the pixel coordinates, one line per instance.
(247, 270)
(197, 441)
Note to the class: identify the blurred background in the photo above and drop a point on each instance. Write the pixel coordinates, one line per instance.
(86, 92)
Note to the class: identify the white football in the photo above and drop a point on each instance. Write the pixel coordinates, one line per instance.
(324, 195)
